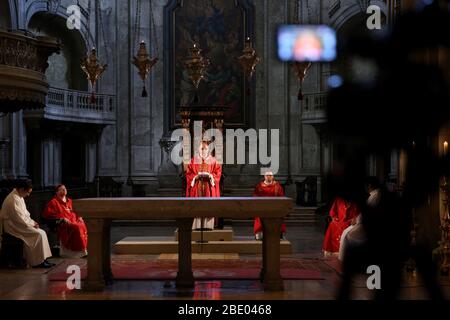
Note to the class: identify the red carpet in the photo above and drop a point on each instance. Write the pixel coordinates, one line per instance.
(335, 264)
(127, 269)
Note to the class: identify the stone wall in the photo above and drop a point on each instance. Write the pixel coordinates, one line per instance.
(130, 150)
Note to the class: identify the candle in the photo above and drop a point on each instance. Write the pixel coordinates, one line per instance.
(445, 147)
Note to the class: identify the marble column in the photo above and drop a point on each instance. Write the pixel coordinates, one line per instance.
(4, 144)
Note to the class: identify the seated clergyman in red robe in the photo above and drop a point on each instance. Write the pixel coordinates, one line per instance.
(203, 180)
(71, 230)
(267, 188)
(343, 213)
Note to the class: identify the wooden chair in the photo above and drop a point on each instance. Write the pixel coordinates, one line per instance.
(11, 254)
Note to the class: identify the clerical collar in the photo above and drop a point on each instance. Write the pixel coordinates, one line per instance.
(269, 184)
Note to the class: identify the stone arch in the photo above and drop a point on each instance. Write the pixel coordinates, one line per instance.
(344, 14)
(64, 69)
(41, 7)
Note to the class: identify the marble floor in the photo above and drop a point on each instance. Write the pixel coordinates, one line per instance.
(306, 240)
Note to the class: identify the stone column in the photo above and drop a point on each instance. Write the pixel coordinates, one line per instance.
(4, 144)
(403, 162)
(186, 143)
(18, 146)
(218, 124)
(51, 161)
(91, 160)
(323, 161)
(393, 171)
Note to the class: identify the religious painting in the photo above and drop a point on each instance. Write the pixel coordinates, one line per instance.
(219, 28)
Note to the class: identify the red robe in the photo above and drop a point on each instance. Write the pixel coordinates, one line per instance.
(73, 235)
(342, 212)
(203, 187)
(263, 190)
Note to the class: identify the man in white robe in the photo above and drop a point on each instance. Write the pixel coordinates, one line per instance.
(18, 223)
(355, 235)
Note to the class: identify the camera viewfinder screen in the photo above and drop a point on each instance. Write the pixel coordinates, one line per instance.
(306, 43)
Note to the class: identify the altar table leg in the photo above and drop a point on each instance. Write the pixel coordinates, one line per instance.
(106, 262)
(185, 276)
(95, 280)
(271, 254)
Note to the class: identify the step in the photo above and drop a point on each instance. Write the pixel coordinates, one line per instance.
(287, 220)
(301, 208)
(302, 215)
(201, 256)
(238, 192)
(301, 218)
(228, 222)
(170, 192)
(148, 245)
(212, 235)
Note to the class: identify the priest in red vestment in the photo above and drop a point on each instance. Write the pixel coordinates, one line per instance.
(71, 230)
(203, 180)
(267, 188)
(343, 213)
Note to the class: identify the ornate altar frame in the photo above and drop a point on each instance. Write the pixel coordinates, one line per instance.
(172, 112)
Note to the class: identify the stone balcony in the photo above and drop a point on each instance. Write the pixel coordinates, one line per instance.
(314, 108)
(76, 106)
(23, 61)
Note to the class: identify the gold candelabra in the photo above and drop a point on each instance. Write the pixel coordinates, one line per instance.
(196, 65)
(300, 69)
(248, 61)
(144, 64)
(93, 69)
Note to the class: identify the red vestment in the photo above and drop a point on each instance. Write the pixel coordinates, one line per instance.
(264, 190)
(73, 235)
(342, 212)
(202, 187)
